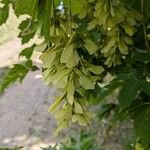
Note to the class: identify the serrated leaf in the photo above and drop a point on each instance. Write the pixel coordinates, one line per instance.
(90, 46)
(103, 92)
(28, 30)
(24, 25)
(4, 12)
(26, 38)
(19, 71)
(128, 93)
(142, 123)
(25, 7)
(27, 52)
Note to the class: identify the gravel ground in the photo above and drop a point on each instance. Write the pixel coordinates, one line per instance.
(24, 119)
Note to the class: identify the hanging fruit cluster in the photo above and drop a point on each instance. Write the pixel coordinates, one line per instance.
(118, 24)
(66, 63)
(65, 68)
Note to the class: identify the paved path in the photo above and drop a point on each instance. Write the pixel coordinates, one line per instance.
(24, 119)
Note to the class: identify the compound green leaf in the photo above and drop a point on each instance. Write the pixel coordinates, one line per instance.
(27, 52)
(128, 93)
(145, 86)
(4, 12)
(25, 7)
(19, 71)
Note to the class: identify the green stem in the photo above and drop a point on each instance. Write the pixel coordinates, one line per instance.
(70, 15)
(54, 16)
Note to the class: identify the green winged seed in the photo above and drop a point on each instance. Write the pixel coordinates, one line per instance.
(80, 119)
(75, 118)
(62, 83)
(73, 60)
(55, 105)
(86, 82)
(67, 53)
(109, 45)
(78, 108)
(122, 47)
(128, 29)
(48, 58)
(63, 125)
(70, 92)
(90, 46)
(95, 69)
(60, 78)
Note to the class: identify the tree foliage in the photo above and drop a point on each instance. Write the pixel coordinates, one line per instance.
(85, 41)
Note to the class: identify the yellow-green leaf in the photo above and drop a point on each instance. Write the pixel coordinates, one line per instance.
(67, 53)
(90, 46)
(78, 108)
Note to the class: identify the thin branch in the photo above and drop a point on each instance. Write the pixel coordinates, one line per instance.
(70, 15)
(144, 28)
(54, 15)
